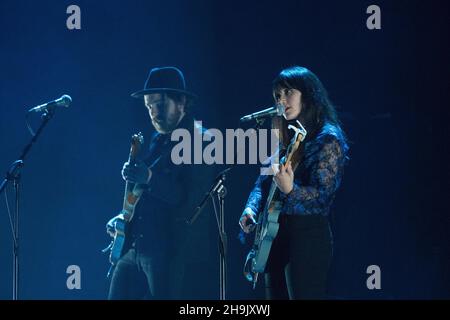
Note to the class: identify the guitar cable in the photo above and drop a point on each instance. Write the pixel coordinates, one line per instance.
(10, 219)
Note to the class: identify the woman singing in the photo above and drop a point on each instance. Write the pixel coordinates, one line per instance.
(301, 252)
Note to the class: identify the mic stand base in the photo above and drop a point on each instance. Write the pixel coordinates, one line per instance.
(223, 242)
(16, 241)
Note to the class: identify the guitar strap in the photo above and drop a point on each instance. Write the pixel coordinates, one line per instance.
(155, 151)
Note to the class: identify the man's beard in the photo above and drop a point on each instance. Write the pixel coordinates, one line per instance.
(165, 123)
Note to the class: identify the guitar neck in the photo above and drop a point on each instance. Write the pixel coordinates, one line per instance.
(128, 185)
(130, 197)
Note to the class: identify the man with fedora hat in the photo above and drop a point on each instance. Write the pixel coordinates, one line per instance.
(164, 258)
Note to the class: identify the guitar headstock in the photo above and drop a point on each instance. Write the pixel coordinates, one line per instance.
(299, 136)
(137, 142)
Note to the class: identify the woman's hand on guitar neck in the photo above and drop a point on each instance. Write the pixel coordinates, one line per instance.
(247, 220)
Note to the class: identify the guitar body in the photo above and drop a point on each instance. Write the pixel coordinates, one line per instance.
(118, 242)
(122, 221)
(268, 233)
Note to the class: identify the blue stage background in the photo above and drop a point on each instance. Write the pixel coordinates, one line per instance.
(386, 83)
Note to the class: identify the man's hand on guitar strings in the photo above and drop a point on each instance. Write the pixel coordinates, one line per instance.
(247, 220)
(110, 225)
(138, 173)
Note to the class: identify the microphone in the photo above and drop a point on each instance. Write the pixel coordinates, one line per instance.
(276, 110)
(64, 101)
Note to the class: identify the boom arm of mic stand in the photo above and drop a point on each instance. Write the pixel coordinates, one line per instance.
(19, 163)
(217, 183)
(16, 165)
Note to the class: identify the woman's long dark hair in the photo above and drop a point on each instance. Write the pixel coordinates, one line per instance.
(317, 109)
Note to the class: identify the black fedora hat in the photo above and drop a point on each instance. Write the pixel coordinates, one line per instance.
(164, 79)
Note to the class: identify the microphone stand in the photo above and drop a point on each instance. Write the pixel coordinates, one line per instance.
(13, 174)
(218, 188)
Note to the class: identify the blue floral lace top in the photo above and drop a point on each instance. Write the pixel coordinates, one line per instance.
(316, 179)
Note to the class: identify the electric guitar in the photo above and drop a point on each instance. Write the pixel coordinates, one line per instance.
(132, 195)
(267, 225)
